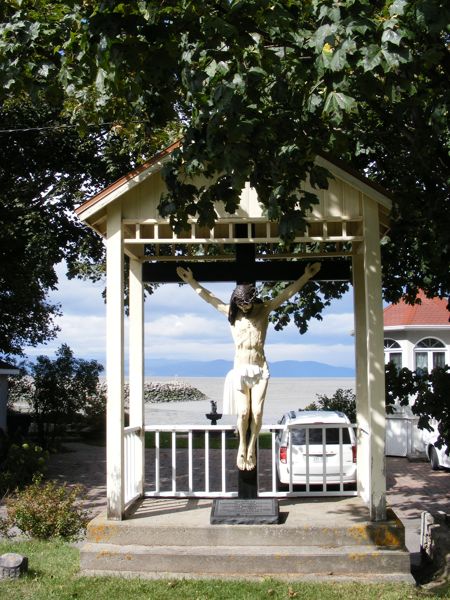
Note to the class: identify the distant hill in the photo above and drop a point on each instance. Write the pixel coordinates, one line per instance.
(219, 368)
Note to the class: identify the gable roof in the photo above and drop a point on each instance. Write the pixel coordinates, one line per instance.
(431, 312)
(134, 177)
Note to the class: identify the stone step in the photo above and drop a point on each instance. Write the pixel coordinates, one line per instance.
(309, 526)
(244, 561)
(371, 535)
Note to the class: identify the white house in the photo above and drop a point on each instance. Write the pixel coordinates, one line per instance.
(416, 337)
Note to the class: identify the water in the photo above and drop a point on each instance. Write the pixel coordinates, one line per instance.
(283, 394)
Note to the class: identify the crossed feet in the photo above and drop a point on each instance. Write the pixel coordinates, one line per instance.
(246, 460)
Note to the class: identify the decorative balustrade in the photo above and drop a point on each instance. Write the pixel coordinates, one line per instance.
(199, 461)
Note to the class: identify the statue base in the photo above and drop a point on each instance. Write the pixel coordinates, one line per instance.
(247, 484)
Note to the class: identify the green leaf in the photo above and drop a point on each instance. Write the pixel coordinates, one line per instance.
(337, 102)
(318, 177)
(391, 36)
(100, 80)
(372, 58)
(398, 7)
(338, 60)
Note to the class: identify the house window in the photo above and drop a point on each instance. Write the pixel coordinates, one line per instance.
(429, 354)
(392, 352)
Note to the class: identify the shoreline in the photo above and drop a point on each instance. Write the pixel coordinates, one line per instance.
(283, 394)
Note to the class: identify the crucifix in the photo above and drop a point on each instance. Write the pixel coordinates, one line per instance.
(246, 384)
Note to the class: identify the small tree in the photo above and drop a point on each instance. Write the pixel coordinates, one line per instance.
(58, 391)
(431, 397)
(342, 400)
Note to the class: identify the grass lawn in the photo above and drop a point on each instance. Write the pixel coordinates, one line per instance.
(53, 574)
(198, 441)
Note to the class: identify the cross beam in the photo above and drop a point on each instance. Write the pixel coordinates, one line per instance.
(245, 270)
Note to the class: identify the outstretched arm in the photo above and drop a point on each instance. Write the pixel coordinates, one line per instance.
(206, 295)
(294, 287)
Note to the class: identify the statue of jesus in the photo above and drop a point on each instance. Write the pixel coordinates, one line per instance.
(246, 384)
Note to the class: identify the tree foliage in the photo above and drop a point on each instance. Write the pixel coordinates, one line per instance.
(260, 87)
(428, 394)
(59, 391)
(46, 169)
(342, 401)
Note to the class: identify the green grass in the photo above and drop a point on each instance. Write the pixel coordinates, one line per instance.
(53, 574)
(198, 440)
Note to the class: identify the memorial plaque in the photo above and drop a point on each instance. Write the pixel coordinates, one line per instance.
(243, 511)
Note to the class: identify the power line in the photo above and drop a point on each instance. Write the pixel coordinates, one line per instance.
(55, 127)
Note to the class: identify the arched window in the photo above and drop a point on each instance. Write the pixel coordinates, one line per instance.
(392, 352)
(428, 354)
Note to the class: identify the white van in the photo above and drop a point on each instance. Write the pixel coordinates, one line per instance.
(319, 447)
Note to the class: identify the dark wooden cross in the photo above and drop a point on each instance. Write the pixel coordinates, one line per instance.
(245, 269)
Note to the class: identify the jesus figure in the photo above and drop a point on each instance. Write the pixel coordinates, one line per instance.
(246, 384)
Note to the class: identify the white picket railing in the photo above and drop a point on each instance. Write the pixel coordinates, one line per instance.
(133, 464)
(211, 472)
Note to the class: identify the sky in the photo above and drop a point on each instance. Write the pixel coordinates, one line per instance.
(179, 325)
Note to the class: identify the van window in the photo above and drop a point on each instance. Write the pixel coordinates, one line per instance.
(298, 436)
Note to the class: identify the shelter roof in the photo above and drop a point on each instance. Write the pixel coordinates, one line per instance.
(430, 311)
(136, 176)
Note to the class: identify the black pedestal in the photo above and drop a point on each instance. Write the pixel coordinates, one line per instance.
(247, 484)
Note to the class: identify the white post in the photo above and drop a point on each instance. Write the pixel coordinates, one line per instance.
(114, 364)
(136, 370)
(370, 365)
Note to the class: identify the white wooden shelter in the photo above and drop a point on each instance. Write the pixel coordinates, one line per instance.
(348, 222)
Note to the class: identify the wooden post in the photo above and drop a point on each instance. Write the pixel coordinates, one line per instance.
(370, 387)
(136, 370)
(114, 364)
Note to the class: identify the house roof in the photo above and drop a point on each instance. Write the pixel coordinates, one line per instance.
(431, 311)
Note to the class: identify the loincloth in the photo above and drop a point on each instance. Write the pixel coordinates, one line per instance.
(240, 379)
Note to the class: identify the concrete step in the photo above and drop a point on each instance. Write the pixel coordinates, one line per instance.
(244, 561)
(331, 538)
(304, 525)
(372, 535)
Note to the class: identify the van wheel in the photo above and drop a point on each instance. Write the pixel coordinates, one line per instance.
(434, 460)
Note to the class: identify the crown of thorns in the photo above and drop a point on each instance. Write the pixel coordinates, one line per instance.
(244, 293)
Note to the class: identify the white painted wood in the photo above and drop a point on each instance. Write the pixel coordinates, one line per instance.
(370, 365)
(136, 367)
(114, 364)
(361, 362)
(191, 492)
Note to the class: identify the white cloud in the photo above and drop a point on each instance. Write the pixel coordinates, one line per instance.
(183, 326)
(180, 325)
(189, 350)
(85, 334)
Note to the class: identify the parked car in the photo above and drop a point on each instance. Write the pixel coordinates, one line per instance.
(438, 457)
(320, 445)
